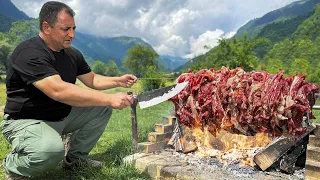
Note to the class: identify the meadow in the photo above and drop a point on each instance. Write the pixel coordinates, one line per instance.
(114, 144)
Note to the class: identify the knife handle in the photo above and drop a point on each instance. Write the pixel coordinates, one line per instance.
(135, 100)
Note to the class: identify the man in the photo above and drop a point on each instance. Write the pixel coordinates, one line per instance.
(43, 103)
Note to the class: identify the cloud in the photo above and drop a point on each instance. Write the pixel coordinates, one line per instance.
(174, 46)
(172, 27)
(206, 41)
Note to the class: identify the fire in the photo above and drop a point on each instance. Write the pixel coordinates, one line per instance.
(225, 146)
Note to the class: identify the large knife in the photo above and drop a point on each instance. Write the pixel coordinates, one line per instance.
(157, 96)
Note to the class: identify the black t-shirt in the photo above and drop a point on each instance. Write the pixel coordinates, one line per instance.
(31, 61)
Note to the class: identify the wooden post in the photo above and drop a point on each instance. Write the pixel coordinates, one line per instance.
(134, 122)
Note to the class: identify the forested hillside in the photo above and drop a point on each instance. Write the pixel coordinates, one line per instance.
(291, 11)
(93, 48)
(105, 49)
(278, 24)
(291, 45)
(5, 22)
(8, 9)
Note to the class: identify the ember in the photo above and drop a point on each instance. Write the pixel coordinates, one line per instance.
(244, 103)
(229, 147)
(226, 147)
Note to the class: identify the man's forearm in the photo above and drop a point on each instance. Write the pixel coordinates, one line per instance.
(80, 97)
(71, 94)
(104, 82)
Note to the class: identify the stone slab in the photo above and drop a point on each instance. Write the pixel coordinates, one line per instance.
(169, 120)
(168, 165)
(149, 147)
(163, 128)
(159, 137)
(316, 131)
(143, 162)
(155, 168)
(314, 141)
(312, 170)
(170, 172)
(313, 153)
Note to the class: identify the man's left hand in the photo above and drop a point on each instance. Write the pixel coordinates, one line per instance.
(127, 80)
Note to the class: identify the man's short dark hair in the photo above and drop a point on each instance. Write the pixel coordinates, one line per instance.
(49, 12)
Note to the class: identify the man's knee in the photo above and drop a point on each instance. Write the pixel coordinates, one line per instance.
(47, 156)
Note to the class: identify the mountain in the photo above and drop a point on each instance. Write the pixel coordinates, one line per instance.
(274, 26)
(104, 48)
(303, 8)
(8, 9)
(5, 23)
(93, 48)
(297, 20)
(277, 25)
(171, 62)
(293, 44)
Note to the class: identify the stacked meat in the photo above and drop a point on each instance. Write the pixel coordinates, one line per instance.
(244, 102)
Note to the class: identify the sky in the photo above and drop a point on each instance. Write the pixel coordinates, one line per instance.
(172, 27)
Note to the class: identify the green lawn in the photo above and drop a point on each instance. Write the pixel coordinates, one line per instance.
(316, 113)
(2, 94)
(114, 144)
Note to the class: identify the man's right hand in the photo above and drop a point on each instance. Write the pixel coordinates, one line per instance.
(121, 100)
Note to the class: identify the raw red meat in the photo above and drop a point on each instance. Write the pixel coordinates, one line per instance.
(244, 102)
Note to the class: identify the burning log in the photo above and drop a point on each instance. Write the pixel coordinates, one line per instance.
(183, 142)
(175, 140)
(288, 161)
(278, 148)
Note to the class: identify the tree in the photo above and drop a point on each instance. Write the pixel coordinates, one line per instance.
(153, 80)
(299, 66)
(139, 59)
(99, 67)
(5, 51)
(314, 77)
(274, 65)
(233, 53)
(22, 30)
(112, 69)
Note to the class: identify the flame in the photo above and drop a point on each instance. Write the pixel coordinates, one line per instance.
(225, 146)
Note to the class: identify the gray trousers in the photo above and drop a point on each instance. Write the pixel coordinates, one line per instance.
(37, 145)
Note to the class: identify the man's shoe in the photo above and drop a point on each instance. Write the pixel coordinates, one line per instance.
(12, 176)
(81, 163)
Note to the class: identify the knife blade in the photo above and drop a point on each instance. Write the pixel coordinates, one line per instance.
(157, 96)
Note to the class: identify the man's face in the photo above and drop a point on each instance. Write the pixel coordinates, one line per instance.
(63, 31)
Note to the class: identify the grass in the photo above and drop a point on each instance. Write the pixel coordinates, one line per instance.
(316, 113)
(3, 95)
(114, 144)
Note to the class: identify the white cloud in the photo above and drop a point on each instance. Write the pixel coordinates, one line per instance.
(173, 27)
(205, 41)
(175, 45)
